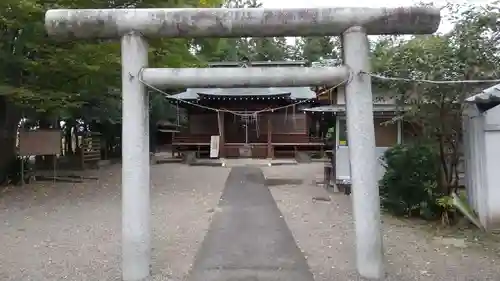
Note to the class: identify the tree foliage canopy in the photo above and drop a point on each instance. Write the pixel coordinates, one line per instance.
(73, 79)
(50, 79)
(470, 51)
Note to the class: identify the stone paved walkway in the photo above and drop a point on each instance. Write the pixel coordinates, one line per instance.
(248, 238)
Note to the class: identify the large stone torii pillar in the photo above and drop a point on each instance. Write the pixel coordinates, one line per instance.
(134, 25)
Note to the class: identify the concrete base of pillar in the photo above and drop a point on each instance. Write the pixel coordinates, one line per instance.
(335, 188)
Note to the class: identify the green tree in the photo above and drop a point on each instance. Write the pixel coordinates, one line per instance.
(234, 49)
(47, 80)
(469, 51)
(317, 48)
(269, 49)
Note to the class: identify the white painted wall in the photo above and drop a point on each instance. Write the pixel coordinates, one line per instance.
(343, 170)
(492, 116)
(343, 165)
(482, 163)
(492, 147)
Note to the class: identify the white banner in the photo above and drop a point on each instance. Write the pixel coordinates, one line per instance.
(214, 146)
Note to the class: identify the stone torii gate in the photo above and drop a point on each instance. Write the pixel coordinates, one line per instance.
(133, 26)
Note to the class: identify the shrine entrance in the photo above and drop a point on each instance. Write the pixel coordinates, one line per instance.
(134, 26)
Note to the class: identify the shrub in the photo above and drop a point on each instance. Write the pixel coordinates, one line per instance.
(409, 186)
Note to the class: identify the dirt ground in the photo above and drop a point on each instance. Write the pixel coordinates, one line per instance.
(72, 231)
(324, 230)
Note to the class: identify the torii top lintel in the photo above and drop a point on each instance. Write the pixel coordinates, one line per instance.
(251, 22)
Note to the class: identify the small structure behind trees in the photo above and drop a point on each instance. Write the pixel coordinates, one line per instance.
(482, 155)
(387, 133)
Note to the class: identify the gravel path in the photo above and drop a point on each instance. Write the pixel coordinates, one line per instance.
(324, 231)
(72, 231)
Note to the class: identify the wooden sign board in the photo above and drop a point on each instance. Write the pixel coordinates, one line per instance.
(43, 142)
(214, 146)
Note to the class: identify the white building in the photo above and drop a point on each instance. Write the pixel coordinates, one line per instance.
(387, 133)
(482, 155)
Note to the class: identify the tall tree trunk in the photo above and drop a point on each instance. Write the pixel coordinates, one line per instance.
(9, 121)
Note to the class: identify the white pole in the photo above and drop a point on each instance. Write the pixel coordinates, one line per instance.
(361, 134)
(246, 127)
(230, 77)
(136, 249)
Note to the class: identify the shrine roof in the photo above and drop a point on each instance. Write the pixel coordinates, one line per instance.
(295, 93)
(487, 98)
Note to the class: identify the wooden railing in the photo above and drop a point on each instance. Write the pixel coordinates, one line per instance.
(293, 138)
(90, 150)
(179, 139)
(276, 138)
